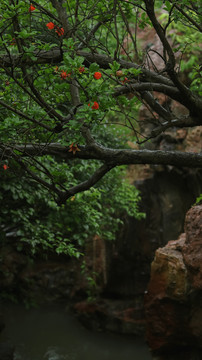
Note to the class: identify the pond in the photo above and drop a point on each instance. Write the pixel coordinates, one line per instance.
(51, 333)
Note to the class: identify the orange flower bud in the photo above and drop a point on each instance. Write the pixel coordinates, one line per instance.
(119, 73)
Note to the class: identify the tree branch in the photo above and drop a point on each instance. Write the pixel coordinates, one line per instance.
(85, 185)
(23, 115)
(170, 64)
(109, 156)
(189, 18)
(54, 56)
(171, 91)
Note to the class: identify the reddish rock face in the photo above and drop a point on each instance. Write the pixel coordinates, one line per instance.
(174, 300)
(192, 252)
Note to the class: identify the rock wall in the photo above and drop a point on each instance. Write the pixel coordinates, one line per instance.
(173, 303)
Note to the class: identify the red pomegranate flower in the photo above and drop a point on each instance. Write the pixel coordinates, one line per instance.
(5, 167)
(73, 148)
(95, 105)
(125, 80)
(50, 25)
(81, 69)
(97, 75)
(60, 31)
(63, 74)
(31, 8)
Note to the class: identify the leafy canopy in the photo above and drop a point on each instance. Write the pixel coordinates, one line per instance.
(73, 77)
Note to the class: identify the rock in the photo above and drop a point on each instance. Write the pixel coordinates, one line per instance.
(50, 280)
(173, 304)
(192, 252)
(118, 316)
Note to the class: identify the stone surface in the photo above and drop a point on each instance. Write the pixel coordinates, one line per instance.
(125, 317)
(173, 304)
(192, 252)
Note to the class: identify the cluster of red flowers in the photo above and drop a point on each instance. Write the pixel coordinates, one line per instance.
(59, 31)
(50, 25)
(95, 106)
(5, 167)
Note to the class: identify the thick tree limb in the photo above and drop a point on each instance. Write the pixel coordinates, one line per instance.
(110, 156)
(172, 92)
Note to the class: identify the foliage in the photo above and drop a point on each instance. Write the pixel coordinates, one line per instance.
(198, 199)
(38, 223)
(73, 77)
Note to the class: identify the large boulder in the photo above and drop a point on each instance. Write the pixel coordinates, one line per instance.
(173, 304)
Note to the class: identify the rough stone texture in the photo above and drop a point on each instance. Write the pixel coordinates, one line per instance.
(118, 316)
(173, 304)
(192, 252)
(53, 279)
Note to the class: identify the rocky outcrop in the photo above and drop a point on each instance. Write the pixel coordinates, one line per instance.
(173, 303)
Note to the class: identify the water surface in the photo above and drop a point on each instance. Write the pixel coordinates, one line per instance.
(51, 333)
